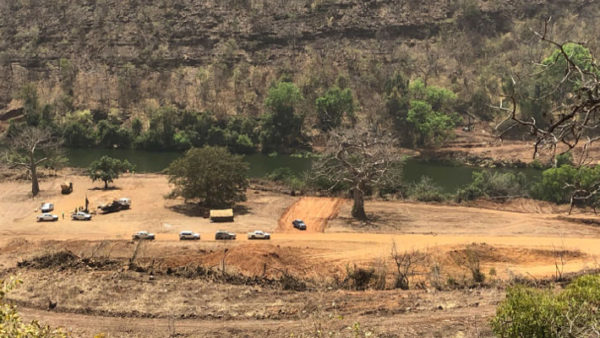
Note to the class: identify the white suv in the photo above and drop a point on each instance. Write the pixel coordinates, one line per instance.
(188, 235)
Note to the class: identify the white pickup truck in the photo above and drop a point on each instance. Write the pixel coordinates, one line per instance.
(258, 234)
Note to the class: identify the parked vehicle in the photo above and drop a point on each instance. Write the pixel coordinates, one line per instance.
(66, 188)
(222, 234)
(46, 217)
(116, 205)
(47, 207)
(125, 202)
(81, 216)
(258, 234)
(143, 235)
(188, 235)
(299, 224)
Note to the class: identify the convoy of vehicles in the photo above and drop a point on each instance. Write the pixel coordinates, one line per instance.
(188, 235)
(125, 203)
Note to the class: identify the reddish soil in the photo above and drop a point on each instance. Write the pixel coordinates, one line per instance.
(314, 211)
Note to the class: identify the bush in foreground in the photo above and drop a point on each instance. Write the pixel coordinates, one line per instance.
(11, 323)
(530, 312)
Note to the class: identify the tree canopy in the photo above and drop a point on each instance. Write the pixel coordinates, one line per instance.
(108, 169)
(211, 175)
(282, 123)
(332, 106)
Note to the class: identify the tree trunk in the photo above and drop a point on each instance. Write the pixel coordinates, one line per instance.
(105, 185)
(358, 208)
(35, 186)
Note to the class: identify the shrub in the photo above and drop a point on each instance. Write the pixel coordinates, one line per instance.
(426, 191)
(528, 312)
(495, 185)
(11, 323)
(558, 184)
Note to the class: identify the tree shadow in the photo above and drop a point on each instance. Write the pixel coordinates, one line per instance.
(196, 210)
(241, 210)
(107, 189)
(190, 209)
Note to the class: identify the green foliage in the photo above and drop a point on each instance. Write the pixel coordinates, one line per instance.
(425, 190)
(423, 115)
(286, 176)
(493, 184)
(551, 88)
(136, 127)
(282, 125)
(210, 174)
(11, 323)
(433, 128)
(107, 169)
(31, 104)
(528, 312)
(332, 106)
(111, 135)
(557, 184)
(564, 158)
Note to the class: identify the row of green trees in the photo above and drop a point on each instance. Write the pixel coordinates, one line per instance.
(423, 116)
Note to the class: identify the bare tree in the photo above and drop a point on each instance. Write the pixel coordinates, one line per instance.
(360, 158)
(32, 147)
(407, 265)
(567, 124)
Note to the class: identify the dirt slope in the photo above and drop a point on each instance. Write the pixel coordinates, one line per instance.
(314, 211)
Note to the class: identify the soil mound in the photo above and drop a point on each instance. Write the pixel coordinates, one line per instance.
(314, 211)
(66, 259)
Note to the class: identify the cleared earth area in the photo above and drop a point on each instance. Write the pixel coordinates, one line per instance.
(90, 278)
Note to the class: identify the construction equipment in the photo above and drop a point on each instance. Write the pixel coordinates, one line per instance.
(66, 188)
(116, 205)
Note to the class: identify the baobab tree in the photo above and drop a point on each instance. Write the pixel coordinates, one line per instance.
(32, 147)
(359, 158)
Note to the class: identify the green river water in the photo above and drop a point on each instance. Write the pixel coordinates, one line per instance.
(448, 177)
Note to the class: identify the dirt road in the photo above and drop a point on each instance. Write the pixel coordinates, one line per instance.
(410, 225)
(314, 211)
(471, 321)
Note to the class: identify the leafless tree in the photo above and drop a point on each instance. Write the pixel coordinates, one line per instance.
(569, 124)
(407, 265)
(361, 158)
(32, 147)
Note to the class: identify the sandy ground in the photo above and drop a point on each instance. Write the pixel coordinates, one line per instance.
(518, 238)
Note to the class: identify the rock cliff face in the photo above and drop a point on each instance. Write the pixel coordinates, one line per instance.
(132, 55)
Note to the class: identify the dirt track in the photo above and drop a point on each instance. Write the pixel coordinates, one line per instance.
(314, 211)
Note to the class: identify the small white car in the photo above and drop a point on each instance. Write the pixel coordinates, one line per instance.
(143, 235)
(258, 234)
(81, 216)
(47, 207)
(188, 235)
(46, 217)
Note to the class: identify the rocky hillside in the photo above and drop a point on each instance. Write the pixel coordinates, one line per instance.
(136, 55)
